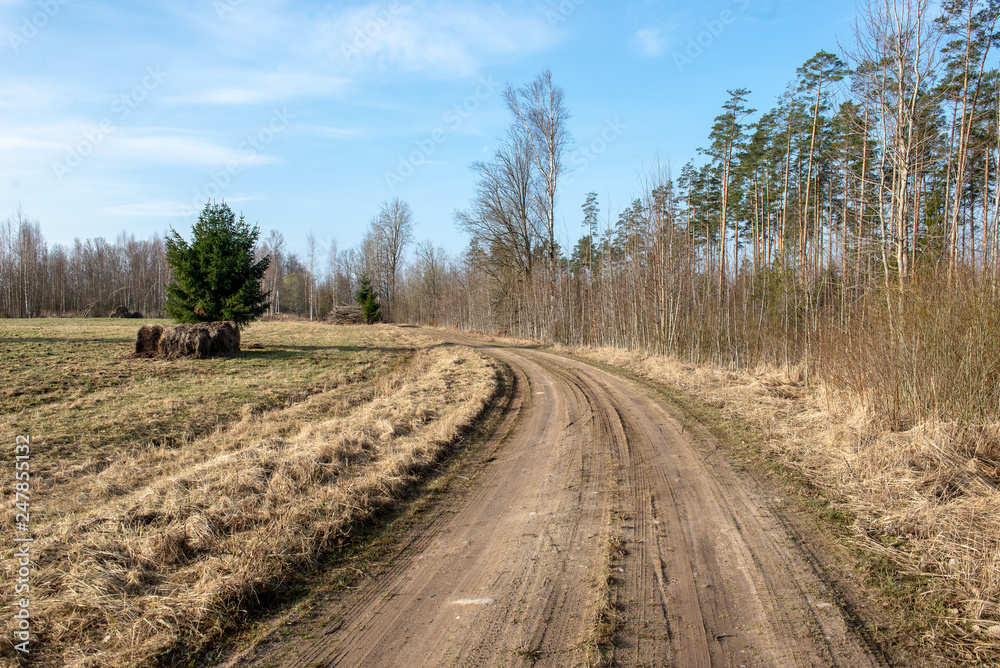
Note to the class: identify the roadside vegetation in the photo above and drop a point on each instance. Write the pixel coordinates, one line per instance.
(171, 495)
(920, 501)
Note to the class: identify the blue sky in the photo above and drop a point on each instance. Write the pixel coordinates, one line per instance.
(304, 116)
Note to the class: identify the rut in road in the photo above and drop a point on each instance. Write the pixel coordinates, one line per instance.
(509, 577)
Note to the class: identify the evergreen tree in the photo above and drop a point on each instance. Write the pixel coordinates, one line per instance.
(727, 139)
(215, 277)
(368, 299)
(590, 213)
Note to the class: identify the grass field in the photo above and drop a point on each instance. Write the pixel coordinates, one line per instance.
(167, 495)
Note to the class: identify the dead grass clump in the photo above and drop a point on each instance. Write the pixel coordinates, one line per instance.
(199, 340)
(236, 513)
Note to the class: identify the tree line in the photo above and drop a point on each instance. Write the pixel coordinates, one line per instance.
(91, 277)
(88, 278)
(851, 231)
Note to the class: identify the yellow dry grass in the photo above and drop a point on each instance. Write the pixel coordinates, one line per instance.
(161, 547)
(927, 497)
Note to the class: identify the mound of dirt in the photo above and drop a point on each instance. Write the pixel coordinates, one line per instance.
(199, 340)
(349, 314)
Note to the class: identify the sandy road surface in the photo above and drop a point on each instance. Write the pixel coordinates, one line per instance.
(509, 576)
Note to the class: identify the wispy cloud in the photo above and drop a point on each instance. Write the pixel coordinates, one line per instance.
(257, 87)
(236, 24)
(649, 42)
(12, 142)
(127, 146)
(438, 38)
(179, 149)
(330, 131)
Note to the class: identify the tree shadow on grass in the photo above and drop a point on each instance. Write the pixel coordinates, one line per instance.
(8, 340)
(285, 351)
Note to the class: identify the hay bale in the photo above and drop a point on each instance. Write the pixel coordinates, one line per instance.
(147, 342)
(225, 338)
(348, 314)
(120, 312)
(185, 341)
(199, 340)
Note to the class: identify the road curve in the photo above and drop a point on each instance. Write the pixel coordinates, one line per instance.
(703, 574)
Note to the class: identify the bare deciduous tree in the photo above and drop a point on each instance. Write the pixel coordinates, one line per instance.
(541, 116)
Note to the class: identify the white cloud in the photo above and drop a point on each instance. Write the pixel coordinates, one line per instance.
(11, 142)
(237, 23)
(649, 42)
(258, 87)
(177, 149)
(330, 131)
(436, 37)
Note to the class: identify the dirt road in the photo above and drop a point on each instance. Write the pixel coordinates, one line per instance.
(603, 530)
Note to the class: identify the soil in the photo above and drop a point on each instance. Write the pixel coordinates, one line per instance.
(595, 478)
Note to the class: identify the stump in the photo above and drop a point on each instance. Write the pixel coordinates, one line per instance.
(198, 340)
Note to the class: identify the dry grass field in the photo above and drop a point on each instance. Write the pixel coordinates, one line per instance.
(168, 495)
(924, 500)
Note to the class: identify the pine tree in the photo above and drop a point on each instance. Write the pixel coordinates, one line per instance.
(727, 139)
(368, 299)
(215, 277)
(590, 213)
